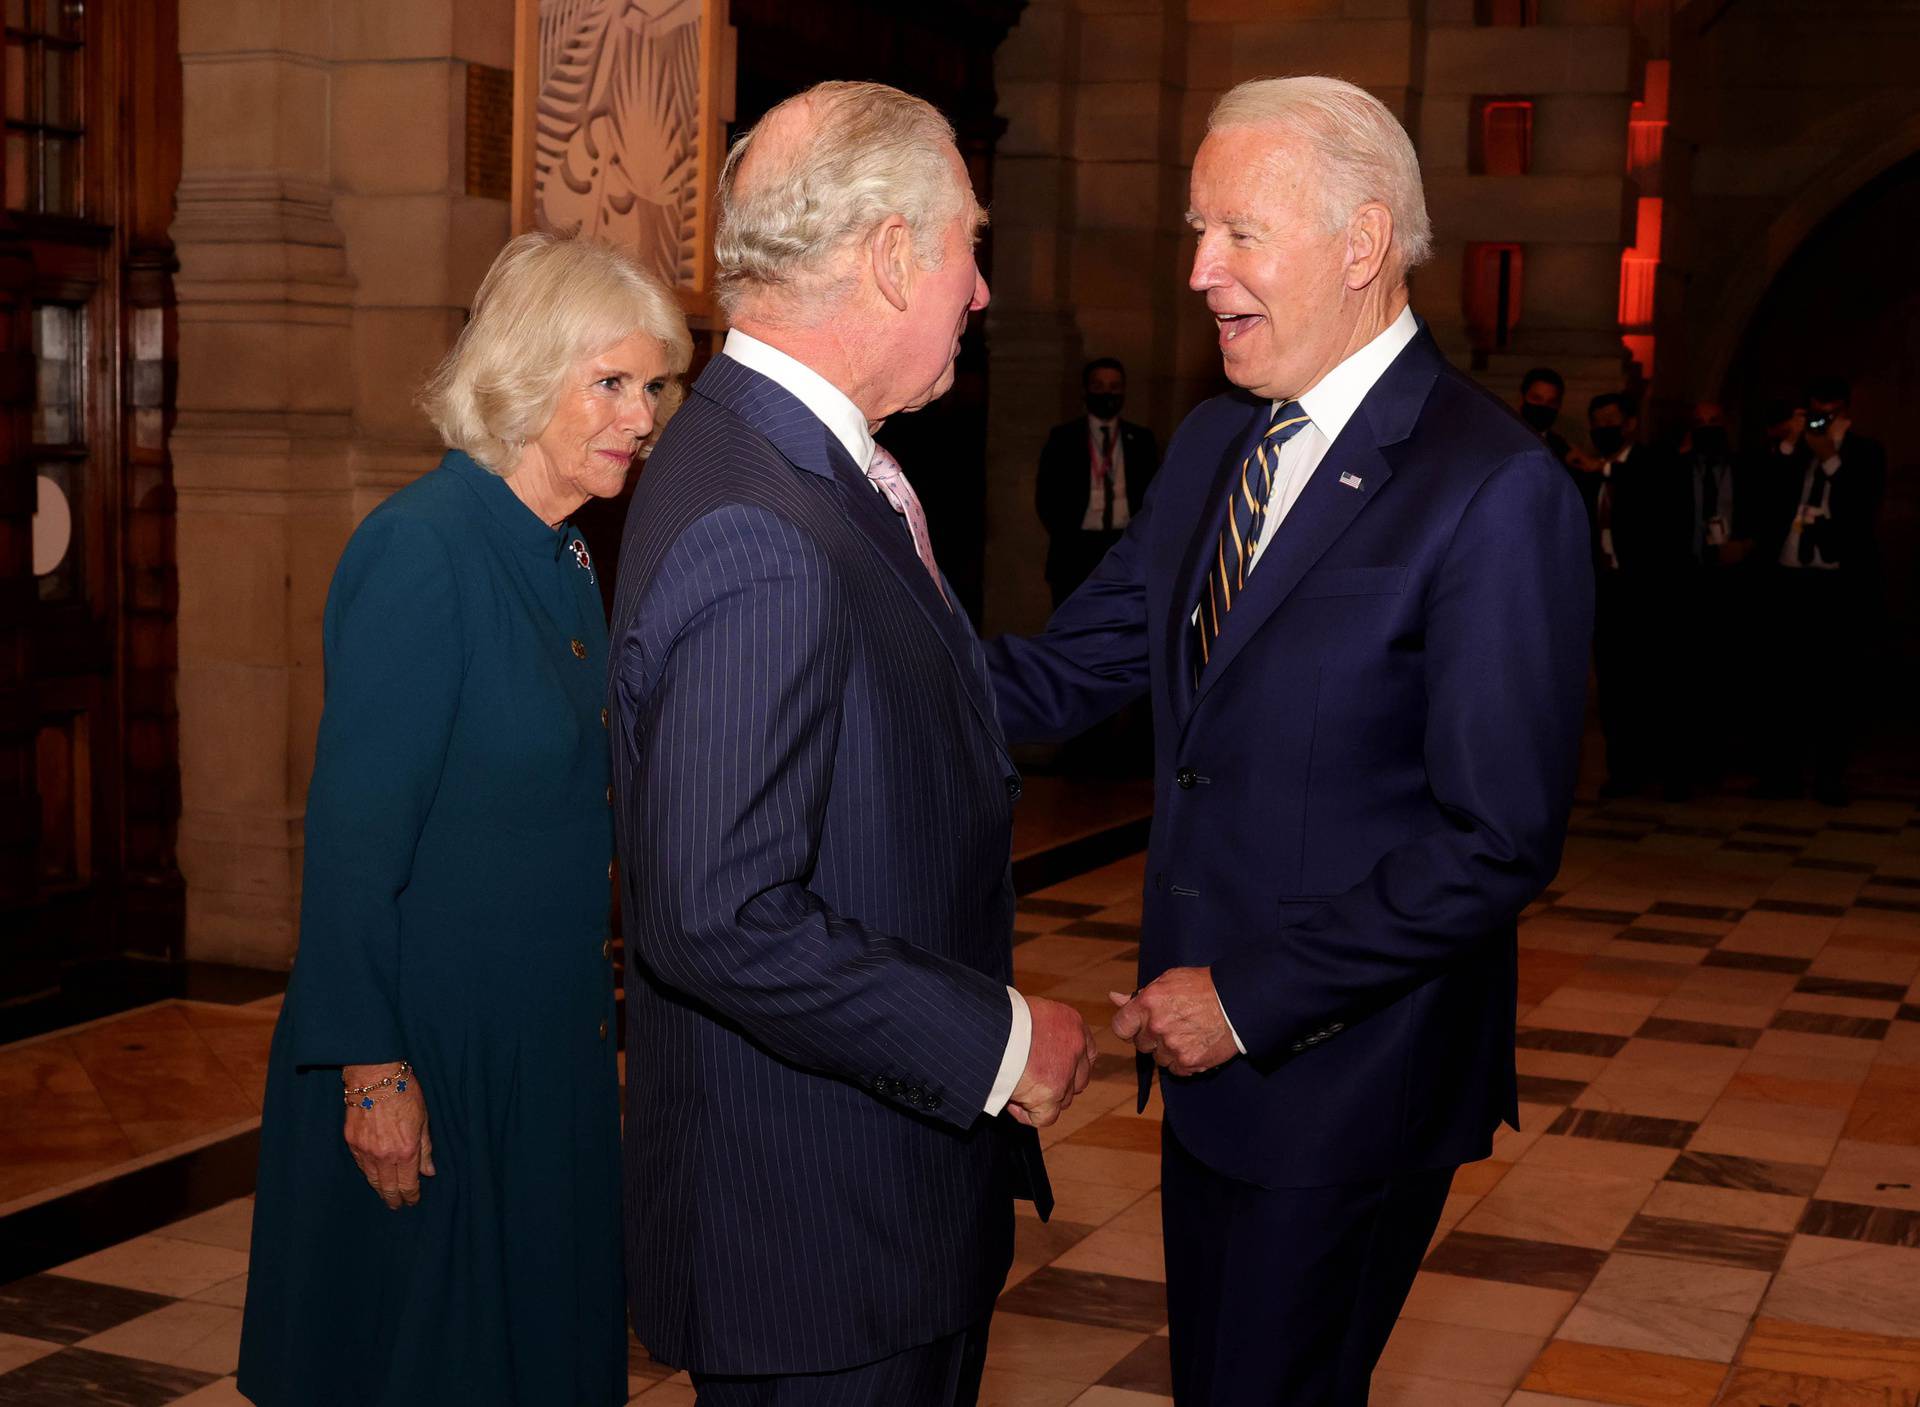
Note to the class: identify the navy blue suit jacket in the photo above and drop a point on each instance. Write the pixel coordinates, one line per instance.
(813, 809)
(1370, 778)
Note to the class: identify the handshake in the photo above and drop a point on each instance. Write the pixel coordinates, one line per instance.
(1177, 1019)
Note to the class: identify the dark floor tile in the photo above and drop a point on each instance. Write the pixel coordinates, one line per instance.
(1568, 1042)
(1058, 908)
(1746, 1174)
(1659, 1028)
(1550, 896)
(1806, 862)
(1616, 917)
(60, 1310)
(1894, 881)
(1695, 832)
(1083, 1297)
(1805, 908)
(1045, 1241)
(1892, 906)
(1760, 847)
(77, 1375)
(1630, 818)
(1669, 937)
(1848, 1221)
(641, 1364)
(1095, 928)
(1820, 1023)
(1588, 830)
(1909, 1011)
(1609, 1127)
(1862, 828)
(1712, 913)
(1696, 1240)
(1540, 1089)
(1755, 962)
(1146, 1369)
(1847, 987)
(1545, 1264)
(1774, 828)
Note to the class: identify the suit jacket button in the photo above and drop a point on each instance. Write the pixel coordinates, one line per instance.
(1336, 1028)
(1185, 777)
(1014, 788)
(933, 1101)
(1299, 1046)
(579, 649)
(609, 869)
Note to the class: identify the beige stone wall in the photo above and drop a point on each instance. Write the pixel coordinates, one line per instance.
(327, 252)
(1106, 102)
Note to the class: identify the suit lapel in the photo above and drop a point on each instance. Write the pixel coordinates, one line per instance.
(1201, 499)
(809, 445)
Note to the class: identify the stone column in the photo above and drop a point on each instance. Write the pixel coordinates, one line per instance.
(327, 249)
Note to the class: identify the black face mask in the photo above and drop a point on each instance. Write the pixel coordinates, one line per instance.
(1103, 405)
(1540, 417)
(1710, 443)
(1608, 439)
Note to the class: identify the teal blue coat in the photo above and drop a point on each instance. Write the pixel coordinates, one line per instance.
(454, 915)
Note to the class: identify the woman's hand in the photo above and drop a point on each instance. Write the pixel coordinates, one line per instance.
(389, 1142)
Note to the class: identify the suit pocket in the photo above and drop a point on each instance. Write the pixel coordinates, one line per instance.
(1353, 581)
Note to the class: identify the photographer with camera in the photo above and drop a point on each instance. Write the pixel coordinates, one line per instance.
(1829, 589)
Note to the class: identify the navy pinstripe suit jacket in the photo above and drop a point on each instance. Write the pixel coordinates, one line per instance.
(814, 815)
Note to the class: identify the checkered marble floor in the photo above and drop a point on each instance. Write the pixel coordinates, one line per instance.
(1714, 1200)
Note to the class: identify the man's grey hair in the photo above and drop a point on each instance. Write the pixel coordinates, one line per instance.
(869, 152)
(1363, 152)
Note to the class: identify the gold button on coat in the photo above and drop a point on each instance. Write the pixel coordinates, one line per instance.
(603, 718)
(606, 947)
(609, 796)
(579, 649)
(603, 1030)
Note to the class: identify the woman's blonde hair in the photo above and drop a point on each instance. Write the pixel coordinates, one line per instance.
(548, 301)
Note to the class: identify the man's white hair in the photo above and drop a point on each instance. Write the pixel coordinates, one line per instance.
(868, 152)
(1363, 152)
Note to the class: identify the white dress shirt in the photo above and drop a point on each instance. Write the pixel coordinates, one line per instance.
(1790, 550)
(1330, 405)
(1095, 519)
(836, 410)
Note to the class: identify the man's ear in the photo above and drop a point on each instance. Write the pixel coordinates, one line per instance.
(1369, 235)
(890, 248)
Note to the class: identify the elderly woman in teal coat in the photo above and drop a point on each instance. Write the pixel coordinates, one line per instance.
(438, 1218)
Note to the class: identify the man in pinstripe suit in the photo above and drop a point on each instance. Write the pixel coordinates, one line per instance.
(831, 1087)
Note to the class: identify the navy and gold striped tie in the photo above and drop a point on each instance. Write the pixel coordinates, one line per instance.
(1246, 517)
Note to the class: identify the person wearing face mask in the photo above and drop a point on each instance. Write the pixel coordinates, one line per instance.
(1831, 483)
(1542, 391)
(1643, 600)
(1093, 475)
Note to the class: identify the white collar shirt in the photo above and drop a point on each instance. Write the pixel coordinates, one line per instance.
(1095, 519)
(1331, 404)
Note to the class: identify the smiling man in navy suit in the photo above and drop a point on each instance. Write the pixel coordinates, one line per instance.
(1359, 596)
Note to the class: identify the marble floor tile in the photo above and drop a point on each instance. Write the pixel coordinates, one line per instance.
(185, 1334)
(1147, 1369)
(1109, 1167)
(1779, 1041)
(1559, 1065)
(79, 1375)
(223, 1392)
(1781, 1133)
(1027, 1345)
(1755, 1387)
(1724, 1206)
(64, 1310)
(1059, 956)
(1490, 1358)
(159, 1265)
(1543, 1264)
(1089, 1203)
(1888, 1107)
(1745, 1174)
(1586, 1043)
(232, 1293)
(1742, 1247)
(1122, 1131)
(1873, 1174)
(1884, 1226)
(1848, 1285)
(15, 1351)
(1112, 1301)
(1587, 1154)
(1487, 1304)
(1134, 1254)
(1605, 1126)
(1660, 1306)
(1560, 1205)
(999, 1389)
(1648, 1093)
(1845, 1355)
(1097, 1396)
(1628, 1377)
(1391, 1389)
(1783, 1089)
(229, 1225)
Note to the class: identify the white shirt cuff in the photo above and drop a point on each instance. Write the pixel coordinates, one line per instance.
(1014, 1063)
(1238, 1044)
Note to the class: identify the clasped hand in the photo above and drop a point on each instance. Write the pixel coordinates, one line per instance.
(389, 1142)
(1059, 1063)
(1178, 1020)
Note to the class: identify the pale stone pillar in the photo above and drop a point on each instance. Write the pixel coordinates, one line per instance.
(326, 250)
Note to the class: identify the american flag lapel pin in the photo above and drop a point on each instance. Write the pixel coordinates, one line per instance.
(1351, 480)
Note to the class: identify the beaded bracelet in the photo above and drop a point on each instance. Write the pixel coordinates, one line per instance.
(364, 1095)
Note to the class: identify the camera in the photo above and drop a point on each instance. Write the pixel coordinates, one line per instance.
(1819, 420)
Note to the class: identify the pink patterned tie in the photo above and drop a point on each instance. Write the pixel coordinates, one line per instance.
(884, 471)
